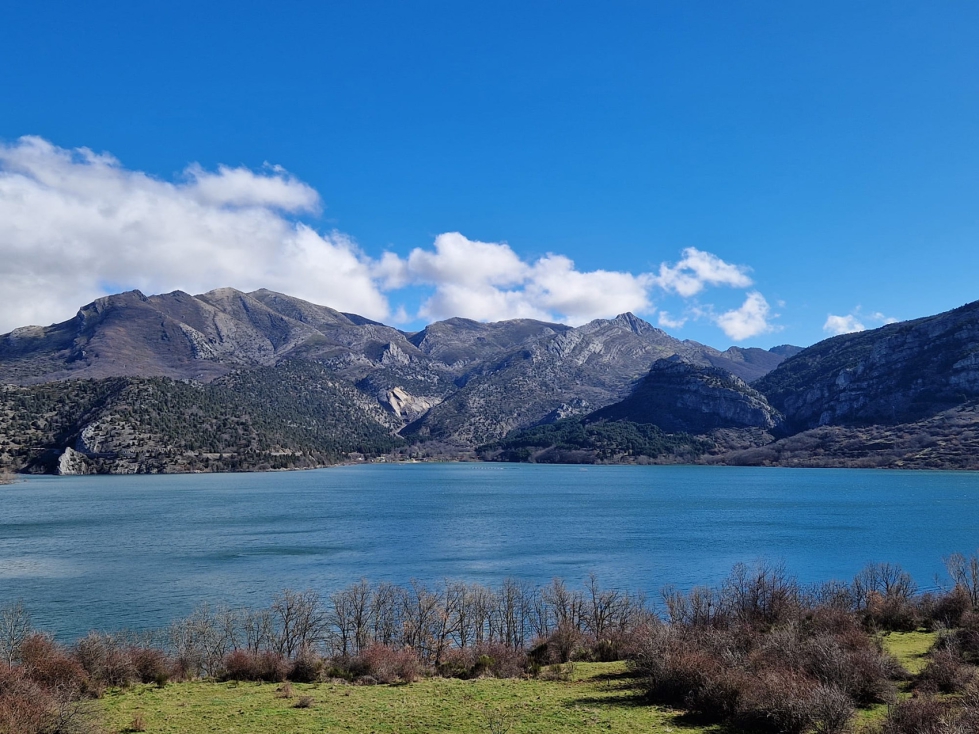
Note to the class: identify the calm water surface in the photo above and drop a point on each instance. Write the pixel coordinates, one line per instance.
(113, 552)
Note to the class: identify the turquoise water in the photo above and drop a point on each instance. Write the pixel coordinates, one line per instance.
(115, 552)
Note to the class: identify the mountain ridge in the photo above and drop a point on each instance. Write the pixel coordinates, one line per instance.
(615, 389)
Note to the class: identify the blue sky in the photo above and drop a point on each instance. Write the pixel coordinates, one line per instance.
(827, 152)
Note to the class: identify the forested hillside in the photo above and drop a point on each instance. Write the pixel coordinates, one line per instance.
(297, 415)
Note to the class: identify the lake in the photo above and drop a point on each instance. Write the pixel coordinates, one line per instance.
(138, 551)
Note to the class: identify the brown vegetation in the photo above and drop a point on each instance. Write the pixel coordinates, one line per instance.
(759, 652)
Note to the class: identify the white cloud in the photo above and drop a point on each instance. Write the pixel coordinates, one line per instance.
(668, 322)
(836, 325)
(881, 318)
(488, 281)
(698, 269)
(75, 225)
(751, 319)
(580, 297)
(241, 187)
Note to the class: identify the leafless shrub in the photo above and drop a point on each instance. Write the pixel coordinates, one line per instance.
(885, 593)
(151, 665)
(966, 638)
(389, 665)
(25, 707)
(831, 710)
(284, 691)
(944, 673)
(48, 664)
(921, 715)
(306, 668)
(498, 721)
(778, 701)
(105, 660)
(947, 610)
(265, 666)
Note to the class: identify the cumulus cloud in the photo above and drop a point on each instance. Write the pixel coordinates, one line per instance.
(488, 281)
(75, 224)
(836, 325)
(750, 319)
(698, 269)
(842, 324)
(669, 322)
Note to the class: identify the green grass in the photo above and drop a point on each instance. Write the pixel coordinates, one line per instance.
(598, 697)
(910, 648)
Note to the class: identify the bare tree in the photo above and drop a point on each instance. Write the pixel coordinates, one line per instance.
(886, 579)
(258, 629)
(300, 621)
(965, 574)
(15, 627)
(603, 608)
(201, 639)
(566, 605)
(385, 613)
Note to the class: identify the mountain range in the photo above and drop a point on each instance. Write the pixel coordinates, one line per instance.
(229, 380)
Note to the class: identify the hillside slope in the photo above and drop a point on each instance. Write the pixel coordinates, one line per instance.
(296, 415)
(898, 373)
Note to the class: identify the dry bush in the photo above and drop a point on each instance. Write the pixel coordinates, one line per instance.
(944, 673)
(717, 693)
(151, 665)
(499, 660)
(105, 660)
(458, 662)
(921, 715)
(304, 702)
(831, 710)
(28, 706)
(966, 637)
(284, 691)
(25, 706)
(948, 609)
(885, 595)
(804, 674)
(778, 701)
(389, 665)
(562, 644)
(851, 664)
(137, 724)
(267, 666)
(307, 668)
(50, 665)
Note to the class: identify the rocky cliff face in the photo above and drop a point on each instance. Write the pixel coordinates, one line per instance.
(679, 397)
(899, 373)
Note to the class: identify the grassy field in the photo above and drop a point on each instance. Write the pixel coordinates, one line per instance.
(910, 648)
(587, 697)
(598, 697)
